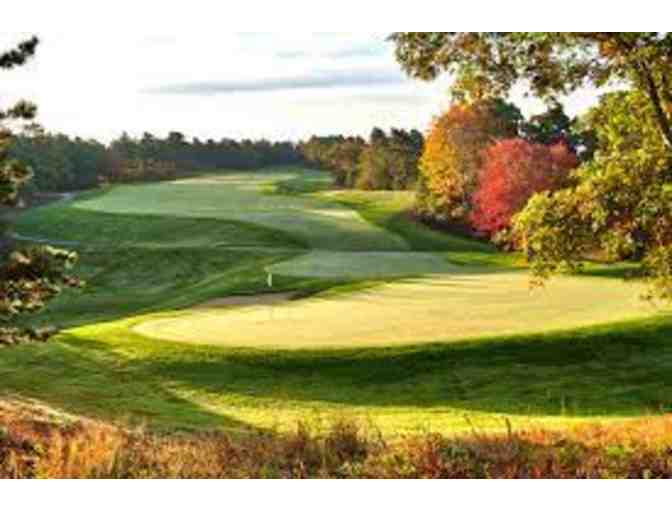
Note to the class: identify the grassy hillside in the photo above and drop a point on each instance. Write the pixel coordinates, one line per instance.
(418, 330)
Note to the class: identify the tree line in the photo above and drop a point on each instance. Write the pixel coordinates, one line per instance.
(386, 161)
(483, 160)
(62, 163)
(130, 158)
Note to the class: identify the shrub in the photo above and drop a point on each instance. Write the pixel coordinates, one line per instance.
(512, 172)
(37, 446)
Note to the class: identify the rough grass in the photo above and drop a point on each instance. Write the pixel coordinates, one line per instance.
(35, 446)
(188, 243)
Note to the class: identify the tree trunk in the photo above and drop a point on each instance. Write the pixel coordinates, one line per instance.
(654, 97)
(665, 88)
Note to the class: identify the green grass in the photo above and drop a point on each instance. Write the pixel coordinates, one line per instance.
(466, 345)
(100, 229)
(391, 211)
(447, 308)
(240, 197)
(105, 370)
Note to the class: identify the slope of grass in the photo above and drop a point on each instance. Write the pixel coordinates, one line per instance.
(107, 371)
(92, 228)
(161, 248)
(242, 197)
(391, 210)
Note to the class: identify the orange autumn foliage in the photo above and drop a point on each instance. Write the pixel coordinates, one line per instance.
(35, 446)
(453, 153)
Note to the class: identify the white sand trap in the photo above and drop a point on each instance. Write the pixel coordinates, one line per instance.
(446, 308)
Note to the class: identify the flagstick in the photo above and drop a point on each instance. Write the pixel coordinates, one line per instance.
(269, 281)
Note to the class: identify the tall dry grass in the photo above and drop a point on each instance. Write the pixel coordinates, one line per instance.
(39, 447)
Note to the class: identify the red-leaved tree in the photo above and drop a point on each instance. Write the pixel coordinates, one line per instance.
(513, 170)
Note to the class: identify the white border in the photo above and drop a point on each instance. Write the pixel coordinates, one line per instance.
(161, 16)
(95, 16)
(336, 495)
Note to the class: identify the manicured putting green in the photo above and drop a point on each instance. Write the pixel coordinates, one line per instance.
(438, 309)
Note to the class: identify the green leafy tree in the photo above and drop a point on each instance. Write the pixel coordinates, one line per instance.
(549, 127)
(619, 201)
(554, 126)
(29, 277)
(390, 162)
(550, 63)
(385, 162)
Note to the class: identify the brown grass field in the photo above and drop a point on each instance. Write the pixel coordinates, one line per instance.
(36, 444)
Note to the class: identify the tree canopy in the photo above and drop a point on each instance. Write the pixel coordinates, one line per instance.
(618, 200)
(453, 155)
(550, 64)
(387, 161)
(513, 170)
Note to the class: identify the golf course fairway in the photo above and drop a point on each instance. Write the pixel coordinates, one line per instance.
(368, 313)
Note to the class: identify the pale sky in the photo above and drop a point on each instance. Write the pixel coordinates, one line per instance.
(234, 85)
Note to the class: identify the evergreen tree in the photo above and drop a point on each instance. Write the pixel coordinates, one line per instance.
(28, 277)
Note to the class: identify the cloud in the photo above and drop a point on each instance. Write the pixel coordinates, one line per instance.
(158, 40)
(408, 99)
(369, 50)
(318, 80)
(292, 54)
(411, 99)
(373, 50)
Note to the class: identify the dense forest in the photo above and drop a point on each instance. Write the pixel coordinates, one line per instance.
(477, 166)
(61, 163)
(384, 162)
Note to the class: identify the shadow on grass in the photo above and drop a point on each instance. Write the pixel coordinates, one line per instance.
(618, 370)
(90, 379)
(63, 224)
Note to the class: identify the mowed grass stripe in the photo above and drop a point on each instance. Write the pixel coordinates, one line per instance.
(320, 224)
